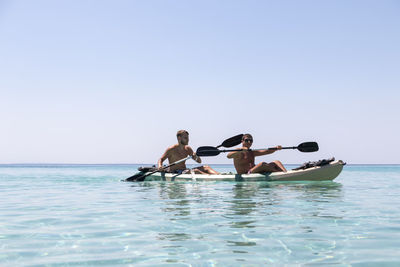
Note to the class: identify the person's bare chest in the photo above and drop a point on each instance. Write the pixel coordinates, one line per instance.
(177, 154)
(246, 158)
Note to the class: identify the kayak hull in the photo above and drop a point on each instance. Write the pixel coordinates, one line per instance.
(320, 173)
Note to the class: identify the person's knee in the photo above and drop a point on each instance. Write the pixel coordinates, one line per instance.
(208, 169)
(269, 165)
(275, 166)
(197, 171)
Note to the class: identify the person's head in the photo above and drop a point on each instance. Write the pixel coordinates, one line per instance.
(183, 137)
(247, 140)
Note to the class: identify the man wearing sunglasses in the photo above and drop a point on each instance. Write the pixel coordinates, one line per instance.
(182, 150)
(244, 160)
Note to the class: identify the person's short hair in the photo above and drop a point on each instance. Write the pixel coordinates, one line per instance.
(247, 135)
(180, 132)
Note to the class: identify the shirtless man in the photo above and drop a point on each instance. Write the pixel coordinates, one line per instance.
(244, 160)
(180, 151)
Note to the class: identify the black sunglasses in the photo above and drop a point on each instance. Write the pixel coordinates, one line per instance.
(248, 140)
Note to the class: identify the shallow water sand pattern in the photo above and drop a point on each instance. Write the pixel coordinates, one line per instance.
(84, 215)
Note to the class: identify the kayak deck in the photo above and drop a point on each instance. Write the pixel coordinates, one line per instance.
(319, 173)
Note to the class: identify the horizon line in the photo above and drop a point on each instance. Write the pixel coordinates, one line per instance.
(4, 164)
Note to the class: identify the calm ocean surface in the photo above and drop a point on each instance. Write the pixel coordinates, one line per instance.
(68, 215)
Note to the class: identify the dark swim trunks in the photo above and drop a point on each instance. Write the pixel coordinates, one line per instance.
(178, 171)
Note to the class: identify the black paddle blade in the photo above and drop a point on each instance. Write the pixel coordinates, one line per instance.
(308, 147)
(233, 141)
(138, 177)
(207, 151)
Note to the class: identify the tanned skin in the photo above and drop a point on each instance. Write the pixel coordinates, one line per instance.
(179, 151)
(244, 160)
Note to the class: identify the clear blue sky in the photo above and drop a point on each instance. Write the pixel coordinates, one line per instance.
(112, 81)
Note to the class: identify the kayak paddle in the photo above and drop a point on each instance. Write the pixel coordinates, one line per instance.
(139, 177)
(207, 151)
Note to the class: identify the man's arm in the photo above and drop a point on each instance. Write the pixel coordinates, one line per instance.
(163, 157)
(194, 156)
(266, 151)
(236, 154)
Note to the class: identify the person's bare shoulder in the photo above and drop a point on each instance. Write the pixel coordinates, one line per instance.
(189, 149)
(171, 148)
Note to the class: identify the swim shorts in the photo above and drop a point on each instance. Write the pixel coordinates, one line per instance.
(178, 171)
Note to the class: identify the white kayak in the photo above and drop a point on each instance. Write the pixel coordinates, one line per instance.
(319, 173)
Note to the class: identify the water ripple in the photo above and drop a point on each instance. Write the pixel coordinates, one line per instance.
(86, 216)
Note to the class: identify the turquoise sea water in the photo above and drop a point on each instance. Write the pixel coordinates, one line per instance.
(68, 215)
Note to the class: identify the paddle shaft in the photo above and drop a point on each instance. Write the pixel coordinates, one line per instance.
(170, 165)
(141, 178)
(270, 148)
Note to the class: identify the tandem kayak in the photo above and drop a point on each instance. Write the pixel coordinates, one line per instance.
(319, 173)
